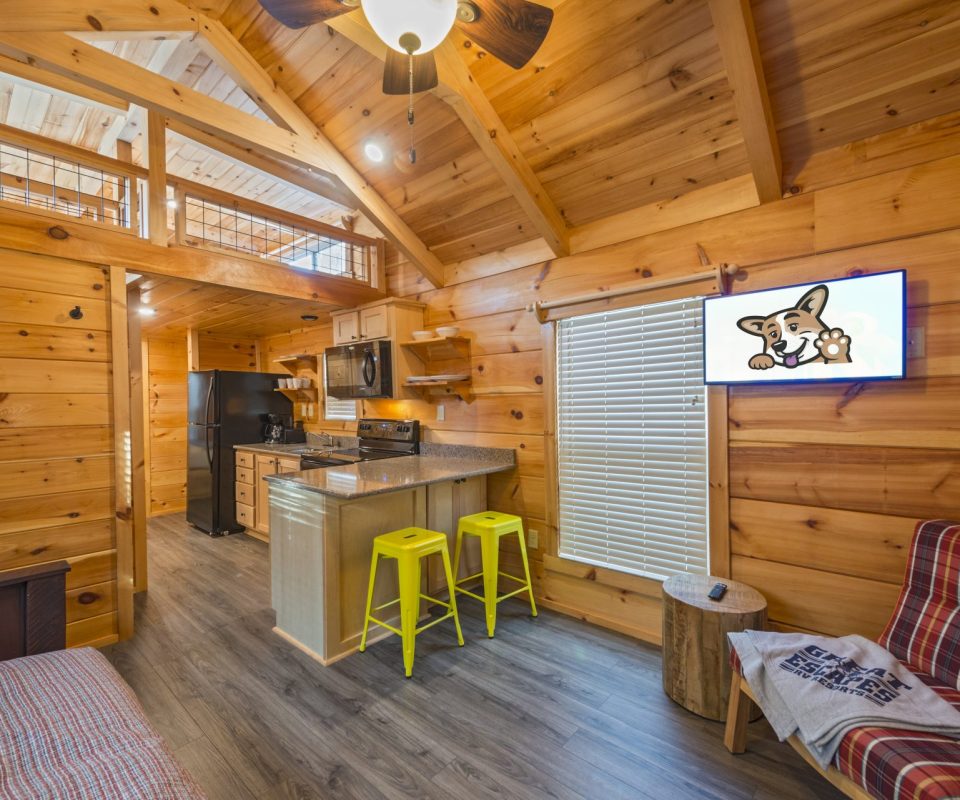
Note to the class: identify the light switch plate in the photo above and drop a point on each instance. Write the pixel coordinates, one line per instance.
(441, 412)
(533, 538)
(916, 342)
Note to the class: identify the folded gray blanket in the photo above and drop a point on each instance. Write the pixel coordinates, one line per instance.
(819, 688)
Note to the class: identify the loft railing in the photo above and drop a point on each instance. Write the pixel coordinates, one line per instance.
(52, 178)
(207, 218)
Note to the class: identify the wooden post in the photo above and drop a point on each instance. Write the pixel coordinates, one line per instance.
(718, 434)
(137, 438)
(123, 495)
(193, 350)
(157, 182)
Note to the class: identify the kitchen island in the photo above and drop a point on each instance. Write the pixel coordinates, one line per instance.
(323, 523)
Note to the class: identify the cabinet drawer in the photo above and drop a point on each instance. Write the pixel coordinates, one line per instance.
(245, 515)
(244, 459)
(244, 475)
(245, 493)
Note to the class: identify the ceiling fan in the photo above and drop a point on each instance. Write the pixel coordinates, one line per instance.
(511, 30)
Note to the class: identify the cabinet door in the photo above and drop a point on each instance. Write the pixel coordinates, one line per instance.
(374, 323)
(346, 328)
(266, 465)
(446, 503)
(287, 465)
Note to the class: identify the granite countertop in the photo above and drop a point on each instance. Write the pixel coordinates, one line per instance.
(293, 449)
(393, 474)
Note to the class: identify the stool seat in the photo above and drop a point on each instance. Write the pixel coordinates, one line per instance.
(493, 521)
(407, 547)
(415, 541)
(490, 527)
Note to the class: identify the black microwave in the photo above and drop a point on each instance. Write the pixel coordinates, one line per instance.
(357, 370)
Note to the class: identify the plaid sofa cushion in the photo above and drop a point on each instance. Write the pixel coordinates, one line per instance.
(903, 765)
(924, 631)
(71, 729)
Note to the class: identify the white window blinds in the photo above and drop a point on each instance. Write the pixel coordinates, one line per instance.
(632, 439)
(334, 408)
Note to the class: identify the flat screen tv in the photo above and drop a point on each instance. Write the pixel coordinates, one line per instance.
(851, 329)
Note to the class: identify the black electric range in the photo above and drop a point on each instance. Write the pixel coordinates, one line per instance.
(379, 438)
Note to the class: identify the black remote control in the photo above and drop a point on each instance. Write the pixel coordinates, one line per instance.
(718, 591)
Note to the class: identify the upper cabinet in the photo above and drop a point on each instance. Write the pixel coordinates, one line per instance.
(363, 324)
(346, 327)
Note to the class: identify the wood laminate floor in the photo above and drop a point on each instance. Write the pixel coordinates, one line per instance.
(550, 708)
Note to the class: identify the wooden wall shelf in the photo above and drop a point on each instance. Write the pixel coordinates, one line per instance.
(440, 348)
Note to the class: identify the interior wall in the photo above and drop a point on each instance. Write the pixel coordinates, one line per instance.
(57, 478)
(827, 481)
(167, 366)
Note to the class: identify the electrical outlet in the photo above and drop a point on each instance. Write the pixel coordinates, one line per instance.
(441, 412)
(916, 342)
(533, 538)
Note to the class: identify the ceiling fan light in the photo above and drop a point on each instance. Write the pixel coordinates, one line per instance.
(427, 20)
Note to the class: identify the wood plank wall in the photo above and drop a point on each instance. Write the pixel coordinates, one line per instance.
(826, 482)
(167, 424)
(167, 408)
(56, 432)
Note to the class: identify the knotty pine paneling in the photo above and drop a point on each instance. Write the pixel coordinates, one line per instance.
(57, 472)
(166, 420)
(827, 481)
(166, 417)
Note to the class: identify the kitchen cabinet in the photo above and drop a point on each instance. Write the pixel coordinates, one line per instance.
(446, 503)
(253, 498)
(346, 327)
(374, 323)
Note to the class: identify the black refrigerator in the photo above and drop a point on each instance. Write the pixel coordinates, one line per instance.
(223, 409)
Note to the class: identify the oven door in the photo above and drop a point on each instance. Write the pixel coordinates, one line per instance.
(359, 370)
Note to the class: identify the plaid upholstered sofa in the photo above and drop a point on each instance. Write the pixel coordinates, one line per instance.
(924, 634)
(71, 729)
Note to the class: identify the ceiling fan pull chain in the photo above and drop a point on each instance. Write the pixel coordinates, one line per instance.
(410, 117)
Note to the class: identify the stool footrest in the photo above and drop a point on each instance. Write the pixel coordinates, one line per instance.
(433, 622)
(383, 624)
(513, 578)
(469, 578)
(500, 597)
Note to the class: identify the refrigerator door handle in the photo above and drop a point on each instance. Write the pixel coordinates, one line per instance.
(209, 449)
(206, 410)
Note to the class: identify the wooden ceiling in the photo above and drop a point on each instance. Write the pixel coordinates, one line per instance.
(627, 103)
(180, 305)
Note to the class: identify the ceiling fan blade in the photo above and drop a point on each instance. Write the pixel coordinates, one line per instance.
(300, 13)
(511, 30)
(396, 73)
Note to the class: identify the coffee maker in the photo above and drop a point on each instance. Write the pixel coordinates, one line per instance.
(273, 430)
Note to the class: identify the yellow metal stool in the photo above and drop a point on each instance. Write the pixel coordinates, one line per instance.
(491, 526)
(408, 546)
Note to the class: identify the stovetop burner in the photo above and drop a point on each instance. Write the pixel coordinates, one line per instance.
(379, 438)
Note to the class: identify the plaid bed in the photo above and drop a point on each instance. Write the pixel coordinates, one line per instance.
(71, 729)
(924, 634)
(924, 631)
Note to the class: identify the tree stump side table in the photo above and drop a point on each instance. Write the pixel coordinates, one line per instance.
(696, 664)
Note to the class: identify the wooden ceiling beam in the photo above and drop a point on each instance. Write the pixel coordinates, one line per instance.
(95, 17)
(235, 60)
(461, 91)
(57, 84)
(67, 56)
(733, 23)
(318, 181)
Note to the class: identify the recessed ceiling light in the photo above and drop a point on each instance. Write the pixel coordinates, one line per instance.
(374, 152)
(309, 317)
(171, 203)
(146, 311)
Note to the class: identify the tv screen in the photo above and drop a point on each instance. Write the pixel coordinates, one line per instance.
(846, 329)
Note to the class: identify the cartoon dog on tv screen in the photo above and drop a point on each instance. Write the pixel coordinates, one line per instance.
(797, 335)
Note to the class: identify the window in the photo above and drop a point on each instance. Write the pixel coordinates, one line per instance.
(632, 439)
(334, 408)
